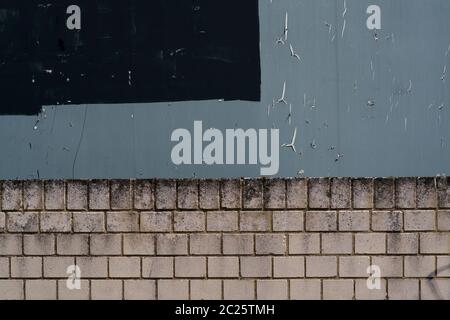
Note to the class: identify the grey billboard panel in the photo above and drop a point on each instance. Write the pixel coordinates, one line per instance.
(366, 92)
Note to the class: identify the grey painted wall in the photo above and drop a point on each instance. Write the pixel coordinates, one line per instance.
(406, 132)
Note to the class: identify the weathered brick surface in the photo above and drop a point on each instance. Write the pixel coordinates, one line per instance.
(230, 194)
(89, 222)
(296, 193)
(319, 193)
(188, 194)
(120, 194)
(226, 239)
(341, 193)
(99, 195)
(144, 198)
(252, 194)
(55, 195)
(209, 196)
(288, 221)
(362, 193)
(354, 220)
(275, 194)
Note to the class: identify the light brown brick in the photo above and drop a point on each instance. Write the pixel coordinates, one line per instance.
(238, 244)
(252, 194)
(305, 289)
(40, 289)
(138, 244)
(190, 267)
(424, 220)
(443, 269)
(443, 188)
(143, 195)
(205, 244)
(54, 195)
(288, 221)
(419, 266)
(384, 193)
(338, 290)
(304, 243)
(99, 195)
(206, 289)
(435, 243)
(106, 289)
(223, 267)
(157, 267)
(11, 290)
(222, 221)
(426, 193)
(72, 244)
(10, 244)
(77, 195)
(354, 266)
(173, 289)
(11, 195)
(23, 221)
(32, 195)
(387, 221)
(166, 194)
(89, 222)
(139, 289)
(122, 221)
(362, 193)
(56, 222)
(321, 266)
(354, 220)
(156, 221)
(270, 244)
(26, 267)
(274, 194)
(391, 267)
(39, 244)
(256, 267)
(405, 193)
(319, 193)
(321, 220)
(370, 243)
(272, 289)
(171, 244)
(230, 194)
(402, 243)
(209, 194)
(93, 267)
(2, 221)
(106, 244)
(362, 292)
(443, 220)
(341, 193)
(239, 289)
(403, 289)
(188, 194)
(4, 267)
(124, 267)
(337, 243)
(189, 221)
(288, 267)
(439, 290)
(255, 220)
(56, 267)
(65, 293)
(296, 193)
(120, 194)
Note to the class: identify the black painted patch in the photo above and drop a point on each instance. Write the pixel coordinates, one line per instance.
(127, 51)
